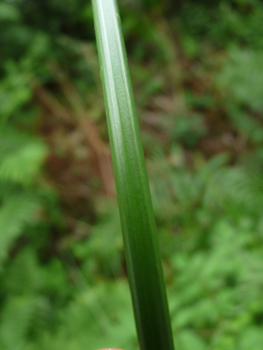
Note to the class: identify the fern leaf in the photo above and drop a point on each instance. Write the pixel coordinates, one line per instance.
(15, 214)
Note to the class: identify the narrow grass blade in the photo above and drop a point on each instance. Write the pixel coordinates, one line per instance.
(138, 225)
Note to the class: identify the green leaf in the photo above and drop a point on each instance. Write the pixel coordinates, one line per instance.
(9, 12)
(189, 340)
(15, 213)
(23, 165)
(135, 205)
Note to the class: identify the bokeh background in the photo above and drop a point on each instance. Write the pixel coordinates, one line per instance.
(197, 73)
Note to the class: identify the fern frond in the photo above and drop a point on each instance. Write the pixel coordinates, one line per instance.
(18, 319)
(20, 156)
(15, 214)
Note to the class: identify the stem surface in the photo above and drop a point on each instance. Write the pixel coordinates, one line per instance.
(134, 199)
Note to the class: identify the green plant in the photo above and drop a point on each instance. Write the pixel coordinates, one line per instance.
(137, 219)
(20, 160)
(242, 78)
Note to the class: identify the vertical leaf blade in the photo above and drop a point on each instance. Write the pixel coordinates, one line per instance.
(137, 219)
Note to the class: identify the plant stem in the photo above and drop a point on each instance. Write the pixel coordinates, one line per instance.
(134, 199)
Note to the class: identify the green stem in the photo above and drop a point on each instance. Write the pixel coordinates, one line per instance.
(134, 199)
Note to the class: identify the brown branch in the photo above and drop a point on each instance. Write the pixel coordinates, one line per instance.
(77, 114)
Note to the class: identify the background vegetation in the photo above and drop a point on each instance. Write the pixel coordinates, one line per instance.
(197, 74)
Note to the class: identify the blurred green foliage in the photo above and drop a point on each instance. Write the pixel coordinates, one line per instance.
(196, 71)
